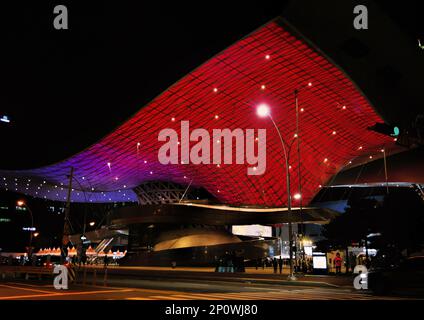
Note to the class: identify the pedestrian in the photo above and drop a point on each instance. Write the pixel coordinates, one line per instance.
(106, 260)
(275, 264)
(311, 265)
(280, 264)
(84, 259)
(352, 261)
(367, 262)
(338, 263)
(304, 266)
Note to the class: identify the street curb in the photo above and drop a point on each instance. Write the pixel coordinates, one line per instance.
(221, 277)
(294, 283)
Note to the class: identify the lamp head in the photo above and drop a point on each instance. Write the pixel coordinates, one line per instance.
(263, 110)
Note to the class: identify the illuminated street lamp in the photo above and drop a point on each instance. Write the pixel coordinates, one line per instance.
(92, 223)
(297, 196)
(22, 204)
(263, 110)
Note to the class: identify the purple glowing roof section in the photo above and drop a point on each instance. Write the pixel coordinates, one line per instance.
(265, 67)
(44, 188)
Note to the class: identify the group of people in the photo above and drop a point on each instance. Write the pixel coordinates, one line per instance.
(80, 260)
(230, 262)
(350, 263)
(277, 264)
(300, 265)
(304, 265)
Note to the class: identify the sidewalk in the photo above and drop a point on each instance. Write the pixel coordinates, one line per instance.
(265, 276)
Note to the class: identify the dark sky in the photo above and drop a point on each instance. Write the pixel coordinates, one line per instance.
(66, 89)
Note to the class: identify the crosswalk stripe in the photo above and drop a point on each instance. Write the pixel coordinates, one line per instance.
(220, 296)
(169, 298)
(228, 296)
(247, 296)
(253, 295)
(237, 298)
(325, 295)
(290, 295)
(197, 296)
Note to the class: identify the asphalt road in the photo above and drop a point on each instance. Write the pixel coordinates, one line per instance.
(133, 289)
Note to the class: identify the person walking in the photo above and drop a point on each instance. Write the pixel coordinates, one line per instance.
(275, 264)
(338, 263)
(84, 259)
(352, 262)
(280, 264)
(106, 260)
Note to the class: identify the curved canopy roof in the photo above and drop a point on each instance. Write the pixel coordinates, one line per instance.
(266, 66)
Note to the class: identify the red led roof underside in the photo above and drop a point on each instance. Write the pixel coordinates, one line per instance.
(238, 73)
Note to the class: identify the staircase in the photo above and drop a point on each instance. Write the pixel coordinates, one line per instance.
(104, 245)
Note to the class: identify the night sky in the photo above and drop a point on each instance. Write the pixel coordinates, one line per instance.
(64, 90)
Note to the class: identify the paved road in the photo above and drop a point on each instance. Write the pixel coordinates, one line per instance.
(207, 274)
(176, 290)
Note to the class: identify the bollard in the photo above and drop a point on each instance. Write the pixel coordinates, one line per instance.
(84, 278)
(94, 277)
(105, 278)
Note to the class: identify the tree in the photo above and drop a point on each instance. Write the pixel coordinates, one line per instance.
(353, 226)
(399, 220)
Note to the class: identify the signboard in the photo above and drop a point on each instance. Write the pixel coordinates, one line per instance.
(29, 229)
(319, 261)
(308, 250)
(254, 230)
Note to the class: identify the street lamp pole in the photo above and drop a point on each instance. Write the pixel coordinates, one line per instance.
(86, 200)
(31, 232)
(22, 203)
(302, 227)
(289, 207)
(385, 170)
(67, 224)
